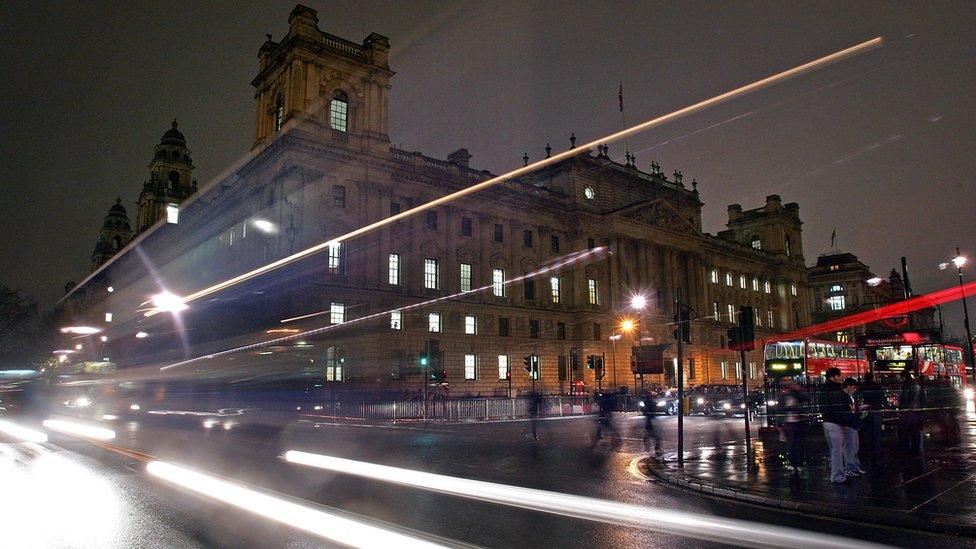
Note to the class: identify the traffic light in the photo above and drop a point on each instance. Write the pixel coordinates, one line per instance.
(598, 360)
(591, 362)
(747, 328)
(527, 364)
(574, 358)
(434, 354)
(682, 325)
(531, 366)
(424, 361)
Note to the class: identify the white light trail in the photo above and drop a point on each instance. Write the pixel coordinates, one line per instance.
(10, 428)
(83, 430)
(333, 527)
(731, 531)
(654, 122)
(81, 330)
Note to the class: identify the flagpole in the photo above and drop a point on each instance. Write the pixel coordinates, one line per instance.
(623, 119)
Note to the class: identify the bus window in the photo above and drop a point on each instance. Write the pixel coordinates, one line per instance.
(830, 351)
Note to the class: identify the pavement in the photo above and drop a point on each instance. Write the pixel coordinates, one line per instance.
(933, 492)
(99, 495)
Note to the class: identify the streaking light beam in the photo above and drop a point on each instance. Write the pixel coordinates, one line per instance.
(737, 532)
(680, 113)
(10, 428)
(79, 429)
(334, 527)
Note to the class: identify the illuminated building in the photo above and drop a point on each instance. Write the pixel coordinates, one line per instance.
(322, 165)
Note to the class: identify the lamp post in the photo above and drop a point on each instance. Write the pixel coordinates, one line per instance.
(614, 338)
(959, 261)
(626, 326)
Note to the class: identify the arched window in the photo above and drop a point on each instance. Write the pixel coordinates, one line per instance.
(174, 179)
(835, 298)
(279, 112)
(118, 242)
(334, 360)
(339, 111)
(756, 243)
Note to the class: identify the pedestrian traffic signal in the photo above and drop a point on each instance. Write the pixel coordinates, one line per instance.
(438, 376)
(598, 360)
(423, 360)
(747, 328)
(531, 366)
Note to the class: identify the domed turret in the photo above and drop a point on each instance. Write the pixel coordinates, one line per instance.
(116, 233)
(170, 178)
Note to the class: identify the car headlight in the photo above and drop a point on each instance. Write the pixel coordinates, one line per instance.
(82, 402)
(726, 405)
(742, 406)
(700, 401)
(641, 404)
(135, 407)
(770, 403)
(662, 403)
(968, 391)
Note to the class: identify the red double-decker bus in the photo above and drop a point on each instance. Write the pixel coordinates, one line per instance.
(933, 361)
(810, 358)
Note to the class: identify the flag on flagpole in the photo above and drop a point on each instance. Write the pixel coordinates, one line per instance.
(620, 96)
(833, 238)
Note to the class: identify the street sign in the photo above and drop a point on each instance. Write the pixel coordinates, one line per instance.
(920, 337)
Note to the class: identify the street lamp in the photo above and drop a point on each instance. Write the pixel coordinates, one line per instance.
(615, 338)
(958, 262)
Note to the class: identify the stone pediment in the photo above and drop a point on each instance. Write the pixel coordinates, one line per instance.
(661, 215)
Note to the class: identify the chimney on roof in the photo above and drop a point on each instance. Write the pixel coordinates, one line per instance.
(303, 20)
(459, 157)
(773, 202)
(735, 211)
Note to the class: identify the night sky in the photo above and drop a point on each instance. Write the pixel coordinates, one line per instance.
(880, 147)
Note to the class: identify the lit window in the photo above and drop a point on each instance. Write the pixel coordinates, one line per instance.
(339, 111)
(396, 320)
(731, 310)
(279, 112)
(836, 299)
(756, 316)
(434, 322)
(395, 269)
(715, 312)
(333, 364)
(752, 370)
(713, 276)
(335, 256)
(337, 313)
(502, 366)
(756, 243)
(498, 282)
(767, 287)
(742, 282)
(755, 284)
(738, 370)
(788, 246)
(728, 279)
(593, 291)
(173, 213)
(769, 318)
(792, 289)
(108, 317)
(725, 370)
(430, 274)
(842, 337)
(470, 367)
(554, 289)
(470, 324)
(465, 277)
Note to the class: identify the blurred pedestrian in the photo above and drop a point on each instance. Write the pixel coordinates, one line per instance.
(873, 404)
(535, 408)
(838, 411)
(608, 402)
(793, 402)
(649, 433)
(911, 403)
(852, 465)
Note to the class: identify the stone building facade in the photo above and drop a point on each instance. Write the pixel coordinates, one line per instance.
(538, 265)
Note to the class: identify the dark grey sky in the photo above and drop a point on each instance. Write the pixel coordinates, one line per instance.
(880, 147)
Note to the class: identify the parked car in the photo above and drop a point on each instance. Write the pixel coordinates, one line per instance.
(708, 399)
(734, 405)
(659, 402)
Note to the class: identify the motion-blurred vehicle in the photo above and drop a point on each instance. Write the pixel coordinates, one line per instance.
(708, 399)
(734, 404)
(659, 402)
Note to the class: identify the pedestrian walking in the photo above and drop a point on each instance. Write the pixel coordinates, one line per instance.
(608, 402)
(793, 402)
(873, 404)
(649, 432)
(911, 403)
(535, 407)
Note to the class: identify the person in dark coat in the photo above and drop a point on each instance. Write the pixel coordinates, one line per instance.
(834, 403)
(793, 402)
(911, 403)
(873, 404)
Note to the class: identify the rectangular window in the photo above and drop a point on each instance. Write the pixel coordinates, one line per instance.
(430, 274)
(339, 196)
(470, 324)
(590, 244)
(534, 329)
(561, 367)
(792, 289)
(498, 282)
(713, 276)
(715, 312)
(725, 370)
(394, 270)
(502, 366)
(554, 244)
(593, 291)
(554, 289)
(470, 367)
(335, 257)
(394, 208)
(691, 368)
(503, 326)
(752, 370)
(527, 239)
(499, 234)
(337, 313)
(434, 322)
(742, 282)
(396, 320)
(338, 114)
(173, 213)
(731, 310)
(767, 287)
(560, 330)
(738, 370)
(465, 277)
(769, 317)
(108, 317)
(728, 279)
(466, 226)
(596, 331)
(757, 316)
(528, 288)
(432, 219)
